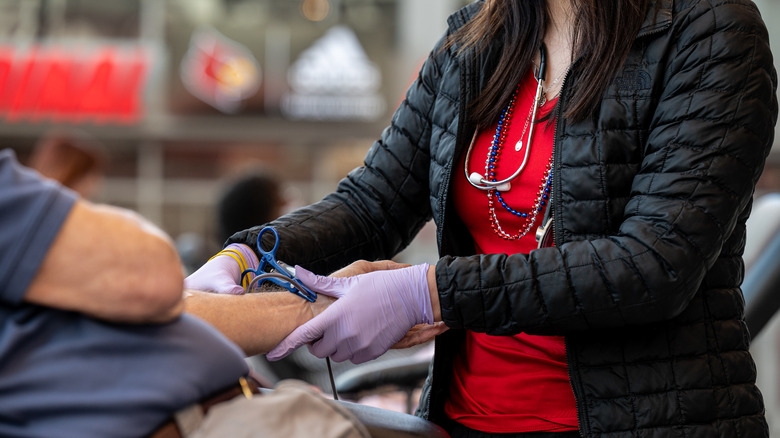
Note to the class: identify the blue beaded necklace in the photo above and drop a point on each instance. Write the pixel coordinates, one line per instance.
(491, 164)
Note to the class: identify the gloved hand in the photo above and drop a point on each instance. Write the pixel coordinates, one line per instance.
(373, 312)
(222, 273)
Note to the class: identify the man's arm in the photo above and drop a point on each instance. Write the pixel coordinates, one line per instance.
(258, 322)
(111, 264)
(255, 322)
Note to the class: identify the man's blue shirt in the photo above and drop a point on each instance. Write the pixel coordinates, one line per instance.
(67, 375)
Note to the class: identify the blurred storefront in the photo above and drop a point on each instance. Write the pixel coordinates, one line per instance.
(184, 94)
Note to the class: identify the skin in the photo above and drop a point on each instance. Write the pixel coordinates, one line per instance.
(255, 322)
(101, 248)
(558, 40)
(111, 264)
(276, 314)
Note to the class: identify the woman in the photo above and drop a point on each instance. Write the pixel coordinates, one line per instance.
(647, 137)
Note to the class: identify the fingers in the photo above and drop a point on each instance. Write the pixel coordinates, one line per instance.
(326, 347)
(363, 267)
(307, 277)
(330, 286)
(304, 334)
(420, 334)
(233, 289)
(224, 287)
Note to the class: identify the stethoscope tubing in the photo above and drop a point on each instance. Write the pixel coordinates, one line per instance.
(484, 184)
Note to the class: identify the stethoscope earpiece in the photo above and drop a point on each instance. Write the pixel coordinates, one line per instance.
(475, 178)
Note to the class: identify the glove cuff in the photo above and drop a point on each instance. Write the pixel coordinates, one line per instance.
(242, 254)
(426, 311)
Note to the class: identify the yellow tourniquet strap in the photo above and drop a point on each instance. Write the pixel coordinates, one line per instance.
(239, 258)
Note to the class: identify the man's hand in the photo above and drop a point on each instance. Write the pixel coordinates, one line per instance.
(420, 334)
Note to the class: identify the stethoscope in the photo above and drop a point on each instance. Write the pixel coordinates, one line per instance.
(479, 181)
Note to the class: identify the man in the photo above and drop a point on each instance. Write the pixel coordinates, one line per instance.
(93, 342)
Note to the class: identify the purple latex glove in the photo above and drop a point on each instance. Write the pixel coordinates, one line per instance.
(222, 274)
(373, 312)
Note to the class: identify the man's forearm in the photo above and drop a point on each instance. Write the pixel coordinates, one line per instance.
(258, 322)
(255, 322)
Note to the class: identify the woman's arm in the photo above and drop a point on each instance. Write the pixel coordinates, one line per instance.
(379, 207)
(701, 155)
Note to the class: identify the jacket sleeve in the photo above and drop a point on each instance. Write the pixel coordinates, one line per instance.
(702, 157)
(379, 207)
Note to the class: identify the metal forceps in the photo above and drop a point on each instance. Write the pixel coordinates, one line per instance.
(276, 271)
(282, 274)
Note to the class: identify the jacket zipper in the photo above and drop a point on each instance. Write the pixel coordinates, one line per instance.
(557, 237)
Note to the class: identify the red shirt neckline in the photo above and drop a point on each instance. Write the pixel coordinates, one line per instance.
(503, 384)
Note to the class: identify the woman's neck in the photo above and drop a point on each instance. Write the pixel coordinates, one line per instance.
(561, 13)
(558, 40)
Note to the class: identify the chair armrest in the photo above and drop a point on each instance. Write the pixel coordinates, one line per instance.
(382, 423)
(405, 372)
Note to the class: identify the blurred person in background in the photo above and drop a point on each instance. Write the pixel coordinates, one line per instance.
(651, 122)
(254, 197)
(71, 158)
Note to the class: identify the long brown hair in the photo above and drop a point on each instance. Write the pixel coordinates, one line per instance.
(604, 33)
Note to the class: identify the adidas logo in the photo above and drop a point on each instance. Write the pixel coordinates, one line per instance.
(334, 80)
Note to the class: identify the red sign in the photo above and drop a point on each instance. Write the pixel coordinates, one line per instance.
(103, 85)
(219, 71)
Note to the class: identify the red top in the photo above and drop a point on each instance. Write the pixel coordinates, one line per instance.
(505, 384)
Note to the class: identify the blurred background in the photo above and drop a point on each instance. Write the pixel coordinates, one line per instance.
(177, 108)
(179, 98)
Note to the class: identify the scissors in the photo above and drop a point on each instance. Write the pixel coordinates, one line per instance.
(282, 274)
(276, 271)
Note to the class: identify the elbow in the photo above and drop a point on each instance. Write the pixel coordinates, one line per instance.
(162, 298)
(156, 291)
(671, 300)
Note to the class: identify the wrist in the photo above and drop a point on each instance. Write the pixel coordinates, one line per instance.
(243, 258)
(433, 290)
(248, 258)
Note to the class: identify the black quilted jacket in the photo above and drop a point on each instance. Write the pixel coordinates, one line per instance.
(650, 198)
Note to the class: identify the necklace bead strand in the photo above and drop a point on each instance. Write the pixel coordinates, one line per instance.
(542, 198)
(491, 164)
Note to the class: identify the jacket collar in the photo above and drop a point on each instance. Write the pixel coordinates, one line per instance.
(463, 15)
(658, 17)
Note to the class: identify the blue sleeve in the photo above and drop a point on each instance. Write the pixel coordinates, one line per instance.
(32, 210)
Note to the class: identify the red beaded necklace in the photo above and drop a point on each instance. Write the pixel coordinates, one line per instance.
(491, 164)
